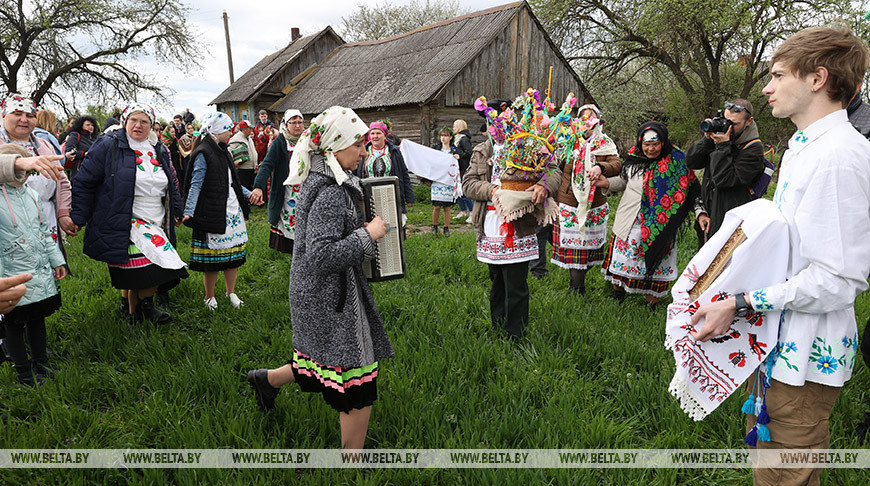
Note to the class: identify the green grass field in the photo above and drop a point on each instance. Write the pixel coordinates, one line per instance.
(591, 374)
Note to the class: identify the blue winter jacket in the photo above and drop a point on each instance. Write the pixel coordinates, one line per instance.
(103, 196)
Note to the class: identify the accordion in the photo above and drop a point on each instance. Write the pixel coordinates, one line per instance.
(381, 197)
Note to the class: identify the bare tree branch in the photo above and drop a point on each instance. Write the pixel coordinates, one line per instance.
(46, 47)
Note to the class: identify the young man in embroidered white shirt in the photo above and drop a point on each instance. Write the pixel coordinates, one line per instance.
(824, 195)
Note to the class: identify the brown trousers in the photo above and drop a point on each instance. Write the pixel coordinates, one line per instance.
(798, 420)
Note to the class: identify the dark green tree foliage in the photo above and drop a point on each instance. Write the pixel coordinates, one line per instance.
(55, 49)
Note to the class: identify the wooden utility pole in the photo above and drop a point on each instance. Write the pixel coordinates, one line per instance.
(229, 51)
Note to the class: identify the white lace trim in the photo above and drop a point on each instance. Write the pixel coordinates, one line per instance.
(679, 388)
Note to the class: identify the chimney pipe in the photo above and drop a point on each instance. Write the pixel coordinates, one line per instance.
(294, 34)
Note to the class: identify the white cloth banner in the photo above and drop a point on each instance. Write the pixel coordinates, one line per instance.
(708, 373)
(432, 164)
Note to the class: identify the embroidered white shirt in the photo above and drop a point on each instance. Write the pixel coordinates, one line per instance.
(824, 194)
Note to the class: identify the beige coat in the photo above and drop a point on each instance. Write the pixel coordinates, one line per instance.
(629, 205)
(477, 186)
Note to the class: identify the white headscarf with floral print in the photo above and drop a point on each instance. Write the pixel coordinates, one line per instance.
(335, 129)
(216, 123)
(18, 102)
(133, 108)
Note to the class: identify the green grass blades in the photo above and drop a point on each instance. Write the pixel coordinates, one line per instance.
(590, 374)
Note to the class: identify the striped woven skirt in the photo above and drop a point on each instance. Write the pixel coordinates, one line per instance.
(205, 259)
(140, 273)
(344, 389)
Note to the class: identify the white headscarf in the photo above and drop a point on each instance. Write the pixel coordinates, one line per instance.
(335, 129)
(133, 108)
(589, 107)
(17, 102)
(215, 123)
(287, 116)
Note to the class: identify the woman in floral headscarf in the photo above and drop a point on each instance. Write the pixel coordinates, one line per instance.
(282, 199)
(216, 209)
(338, 335)
(659, 190)
(127, 198)
(581, 231)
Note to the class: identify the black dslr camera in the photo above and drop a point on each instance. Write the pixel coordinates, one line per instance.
(720, 124)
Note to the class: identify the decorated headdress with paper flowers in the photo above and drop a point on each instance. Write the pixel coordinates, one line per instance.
(531, 136)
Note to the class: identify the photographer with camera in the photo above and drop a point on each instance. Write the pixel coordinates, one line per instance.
(732, 157)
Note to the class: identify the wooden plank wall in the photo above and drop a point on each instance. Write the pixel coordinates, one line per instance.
(519, 58)
(311, 55)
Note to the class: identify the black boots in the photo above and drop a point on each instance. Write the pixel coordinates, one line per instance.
(265, 393)
(26, 376)
(145, 309)
(41, 369)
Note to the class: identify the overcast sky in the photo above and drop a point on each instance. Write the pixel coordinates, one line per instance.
(257, 28)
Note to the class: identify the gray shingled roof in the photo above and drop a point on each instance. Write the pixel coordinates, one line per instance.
(408, 68)
(257, 77)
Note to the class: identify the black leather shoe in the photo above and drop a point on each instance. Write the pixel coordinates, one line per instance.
(26, 376)
(581, 291)
(618, 296)
(124, 308)
(146, 309)
(40, 368)
(265, 393)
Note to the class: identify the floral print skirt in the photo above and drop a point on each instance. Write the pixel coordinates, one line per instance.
(623, 266)
(152, 259)
(138, 272)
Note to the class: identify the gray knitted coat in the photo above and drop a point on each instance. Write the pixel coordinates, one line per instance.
(335, 321)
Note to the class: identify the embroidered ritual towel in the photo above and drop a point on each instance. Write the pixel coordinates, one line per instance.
(708, 373)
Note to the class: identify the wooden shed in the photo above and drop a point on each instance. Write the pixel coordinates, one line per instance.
(263, 84)
(427, 78)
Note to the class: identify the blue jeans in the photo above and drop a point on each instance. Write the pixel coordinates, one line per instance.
(465, 204)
